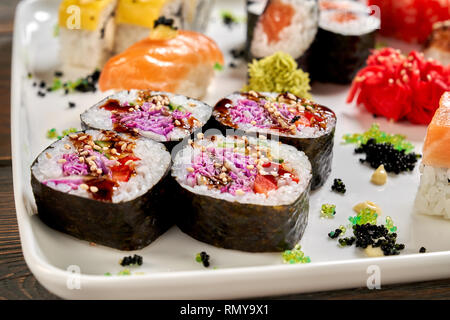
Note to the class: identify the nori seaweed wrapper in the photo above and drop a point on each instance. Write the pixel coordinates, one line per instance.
(336, 58)
(319, 150)
(129, 225)
(242, 226)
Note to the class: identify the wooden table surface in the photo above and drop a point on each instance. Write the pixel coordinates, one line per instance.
(16, 281)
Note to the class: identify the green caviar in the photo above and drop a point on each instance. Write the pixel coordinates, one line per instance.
(328, 211)
(218, 66)
(390, 224)
(295, 255)
(374, 132)
(124, 272)
(278, 73)
(53, 133)
(365, 216)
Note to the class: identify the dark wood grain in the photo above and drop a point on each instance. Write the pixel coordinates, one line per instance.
(16, 281)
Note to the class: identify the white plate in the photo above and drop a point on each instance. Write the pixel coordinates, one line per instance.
(169, 269)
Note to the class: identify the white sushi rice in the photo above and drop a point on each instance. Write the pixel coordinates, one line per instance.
(302, 131)
(362, 25)
(433, 197)
(296, 38)
(88, 49)
(284, 195)
(99, 118)
(155, 160)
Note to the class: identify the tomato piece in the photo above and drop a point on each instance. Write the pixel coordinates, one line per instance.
(122, 172)
(263, 184)
(304, 121)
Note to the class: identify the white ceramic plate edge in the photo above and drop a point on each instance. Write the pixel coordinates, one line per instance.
(214, 284)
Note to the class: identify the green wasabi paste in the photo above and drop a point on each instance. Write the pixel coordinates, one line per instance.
(278, 73)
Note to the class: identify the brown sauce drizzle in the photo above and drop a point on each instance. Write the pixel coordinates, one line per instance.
(318, 117)
(105, 188)
(105, 185)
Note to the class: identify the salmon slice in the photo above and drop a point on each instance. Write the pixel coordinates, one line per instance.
(436, 150)
(276, 17)
(160, 64)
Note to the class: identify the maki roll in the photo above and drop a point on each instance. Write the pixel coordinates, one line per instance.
(433, 197)
(103, 187)
(281, 25)
(242, 193)
(161, 116)
(438, 44)
(345, 37)
(90, 35)
(302, 123)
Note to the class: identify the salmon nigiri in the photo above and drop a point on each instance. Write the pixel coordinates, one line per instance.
(169, 60)
(433, 197)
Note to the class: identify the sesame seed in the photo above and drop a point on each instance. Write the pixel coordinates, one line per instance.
(66, 146)
(99, 171)
(131, 109)
(177, 122)
(62, 161)
(96, 147)
(84, 186)
(93, 189)
(49, 156)
(73, 136)
(253, 122)
(200, 135)
(128, 162)
(114, 151)
(82, 138)
(123, 147)
(250, 167)
(84, 153)
(81, 159)
(105, 148)
(88, 147)
(240, 192)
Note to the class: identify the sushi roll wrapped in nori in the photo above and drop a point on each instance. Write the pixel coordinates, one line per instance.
(281, 25)
(161, 116)
(302, 123)
(104, 187)
(345, 37)
(242, 193)
(86, 42)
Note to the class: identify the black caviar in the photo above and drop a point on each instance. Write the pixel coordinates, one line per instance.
(165, 22)
(377, 236)
(131, 260)
(338, 186)
(423, 250)
(385, 154)
(203, 257)
(347, 241)
(334, 234)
